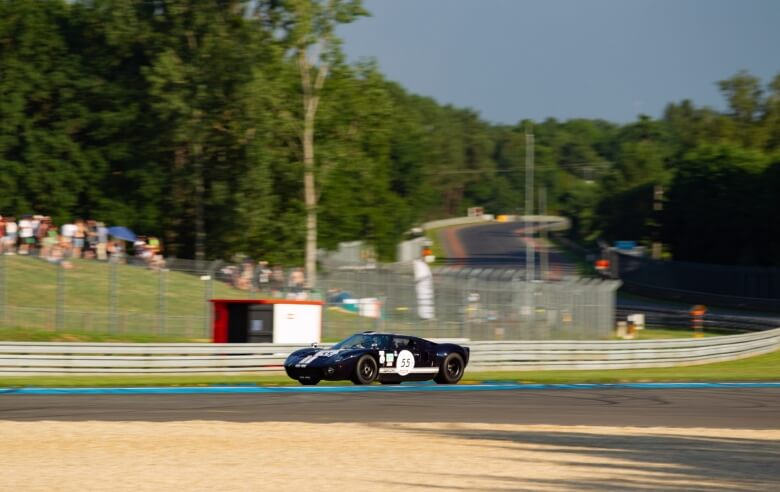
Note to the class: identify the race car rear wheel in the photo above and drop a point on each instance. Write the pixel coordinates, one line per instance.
(366, 370)
(451, 370)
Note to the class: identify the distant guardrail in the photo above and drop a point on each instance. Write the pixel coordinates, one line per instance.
(456, 221)
(41, 358)
(663, 317)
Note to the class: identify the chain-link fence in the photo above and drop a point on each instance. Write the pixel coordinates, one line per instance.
(480, 304)
(130, 296)
(121, 296)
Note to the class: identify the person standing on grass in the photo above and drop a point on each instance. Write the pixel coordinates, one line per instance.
(79, 236)
(2, 234)
(297, 281)
(50, 241)
(67, 232)
(263, 276)
(102, 244)
(25, 234)
(277, 281)
(10, 235)
(40, 233)
(92, 240)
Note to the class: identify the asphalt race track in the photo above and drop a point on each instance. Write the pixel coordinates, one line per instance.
(500, 245)
(737, 408)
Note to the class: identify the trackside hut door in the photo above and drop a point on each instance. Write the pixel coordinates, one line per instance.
(237, 323)
(261, 323)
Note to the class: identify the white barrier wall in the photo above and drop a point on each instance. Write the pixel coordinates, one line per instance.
(31, 358)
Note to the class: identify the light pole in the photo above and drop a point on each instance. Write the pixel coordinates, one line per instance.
(529, 207)
(658, 207)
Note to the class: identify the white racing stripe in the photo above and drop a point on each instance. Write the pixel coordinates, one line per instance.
(322, 353)
(416, 370)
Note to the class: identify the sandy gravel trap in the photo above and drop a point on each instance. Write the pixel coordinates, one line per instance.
(199, 455)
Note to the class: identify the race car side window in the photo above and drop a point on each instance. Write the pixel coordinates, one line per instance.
(401, 343)
(382, 341)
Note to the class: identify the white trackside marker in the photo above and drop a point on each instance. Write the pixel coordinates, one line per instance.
(405, 362)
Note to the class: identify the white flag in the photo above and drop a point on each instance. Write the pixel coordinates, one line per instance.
(423, 280)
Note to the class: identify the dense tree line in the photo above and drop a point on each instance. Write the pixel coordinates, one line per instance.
(183, 119)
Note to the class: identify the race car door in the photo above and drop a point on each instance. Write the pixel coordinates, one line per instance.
(414, 358)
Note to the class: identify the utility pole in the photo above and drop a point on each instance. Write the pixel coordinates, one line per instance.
(658, 207)
(529, 207)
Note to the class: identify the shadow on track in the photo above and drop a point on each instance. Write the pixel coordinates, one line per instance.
(633, 462)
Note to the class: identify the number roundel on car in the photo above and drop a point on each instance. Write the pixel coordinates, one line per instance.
(404, 362)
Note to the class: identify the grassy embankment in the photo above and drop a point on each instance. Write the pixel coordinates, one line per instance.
(31, 298)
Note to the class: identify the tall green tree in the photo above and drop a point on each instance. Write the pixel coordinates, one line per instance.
(44, 167)
(744, 95)
(309, 29)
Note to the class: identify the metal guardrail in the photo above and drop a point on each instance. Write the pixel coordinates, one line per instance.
(456, 221)
(35, 358)
(660, 317)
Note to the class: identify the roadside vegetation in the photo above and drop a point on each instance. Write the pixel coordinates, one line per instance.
(224, 175)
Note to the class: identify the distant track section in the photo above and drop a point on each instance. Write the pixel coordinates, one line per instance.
(503, 245)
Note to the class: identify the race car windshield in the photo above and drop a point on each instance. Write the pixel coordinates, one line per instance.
(363, 341)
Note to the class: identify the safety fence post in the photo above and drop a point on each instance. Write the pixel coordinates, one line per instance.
(3, 297)
(161, 305)
(59, 305)
(112, 294)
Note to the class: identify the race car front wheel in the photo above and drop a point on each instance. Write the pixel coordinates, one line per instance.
(451, 370)
(308, 381)
(365, 370)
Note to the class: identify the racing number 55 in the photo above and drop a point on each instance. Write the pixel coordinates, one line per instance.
(405, 362)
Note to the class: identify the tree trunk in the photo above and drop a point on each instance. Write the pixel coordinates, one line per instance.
(310, 200)
(200, 222)
(311, 99)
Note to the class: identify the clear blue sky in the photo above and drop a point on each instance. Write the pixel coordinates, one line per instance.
(610, 59)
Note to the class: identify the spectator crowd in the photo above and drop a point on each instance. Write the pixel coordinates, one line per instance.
(38, 235)
(259, 277)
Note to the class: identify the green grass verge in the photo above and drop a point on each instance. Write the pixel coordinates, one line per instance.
(671, 332)
(761, 368)
(31, 282)
(44, 335)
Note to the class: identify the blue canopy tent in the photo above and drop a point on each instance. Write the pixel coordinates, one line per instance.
(121, 232)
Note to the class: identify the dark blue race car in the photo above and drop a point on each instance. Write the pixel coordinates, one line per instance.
(385, 357)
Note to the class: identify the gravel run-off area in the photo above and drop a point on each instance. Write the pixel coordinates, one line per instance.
(214, 455)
